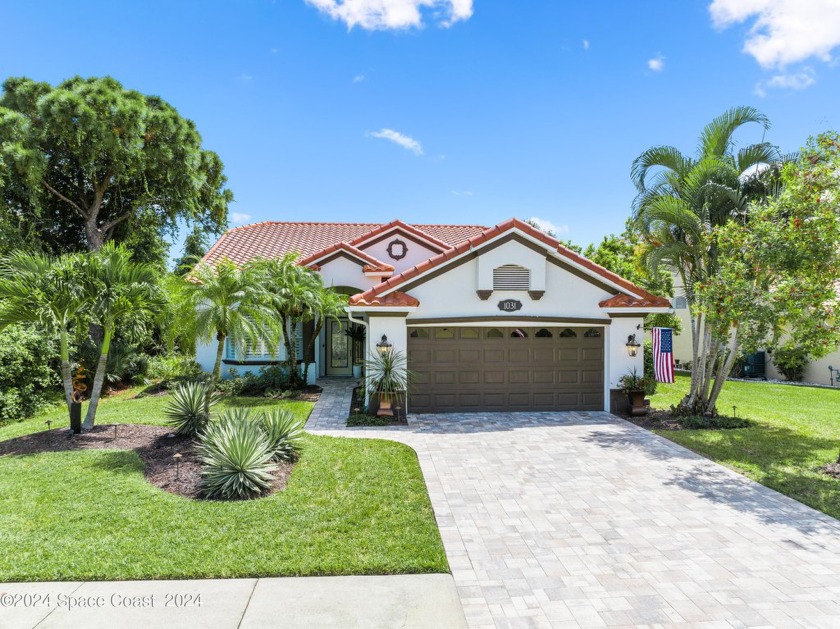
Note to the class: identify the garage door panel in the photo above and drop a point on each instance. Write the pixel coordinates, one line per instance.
(463, 370)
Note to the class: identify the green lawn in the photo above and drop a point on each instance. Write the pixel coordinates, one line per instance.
(796, 430)
(352, 506)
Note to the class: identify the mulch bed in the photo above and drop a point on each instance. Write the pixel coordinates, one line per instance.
(656, 419)
(358, 417)
(155, 445)
(830, 469)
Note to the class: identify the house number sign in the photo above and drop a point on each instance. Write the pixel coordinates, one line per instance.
(510, 305)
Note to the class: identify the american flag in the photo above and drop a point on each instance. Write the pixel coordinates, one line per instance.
(663, 354)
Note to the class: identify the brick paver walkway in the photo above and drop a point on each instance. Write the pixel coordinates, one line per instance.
(582, 519)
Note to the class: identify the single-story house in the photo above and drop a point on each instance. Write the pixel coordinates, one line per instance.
(503, 318)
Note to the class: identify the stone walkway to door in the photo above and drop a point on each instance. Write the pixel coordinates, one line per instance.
(582, 519)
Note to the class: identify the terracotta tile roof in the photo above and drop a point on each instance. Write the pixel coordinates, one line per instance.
(626, 301)
(272, 239)
(398, 224)
(371, 263)
(492, 232)
(391, 299)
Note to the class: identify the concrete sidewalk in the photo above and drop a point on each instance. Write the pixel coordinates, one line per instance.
(359, 601)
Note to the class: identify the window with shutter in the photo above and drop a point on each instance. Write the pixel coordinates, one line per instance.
(511, 277)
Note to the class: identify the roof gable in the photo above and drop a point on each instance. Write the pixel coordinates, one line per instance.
(595, 272)
(405, 230)
(370, 264)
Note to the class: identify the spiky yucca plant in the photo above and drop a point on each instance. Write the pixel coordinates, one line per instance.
(235, 457)
(284, 432)
(187, 407)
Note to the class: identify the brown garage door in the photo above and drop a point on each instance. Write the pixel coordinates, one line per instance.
(505, 369)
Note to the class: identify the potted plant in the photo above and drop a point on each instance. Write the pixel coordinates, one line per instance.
(387, 383)
(634, 386)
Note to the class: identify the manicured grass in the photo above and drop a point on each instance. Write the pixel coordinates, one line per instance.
(352, 506)
(796, 430)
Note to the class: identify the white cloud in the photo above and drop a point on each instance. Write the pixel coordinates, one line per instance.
(586, 44)
(274, 51)
(239, 219)
(359, 78)
(783, 31)
(461, 193)
(657, 64)
(245, 78)
(396, 137)
(547, 226)
(800, 80)
(393, 14)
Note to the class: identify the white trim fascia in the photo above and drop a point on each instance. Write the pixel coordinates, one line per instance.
(549, 251)
(641, 311)
(372, 310)
(489, 323)
(378, 273)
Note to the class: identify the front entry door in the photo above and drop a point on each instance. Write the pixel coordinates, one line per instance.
(338, 349)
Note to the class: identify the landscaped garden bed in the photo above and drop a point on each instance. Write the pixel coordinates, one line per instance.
(89, 511)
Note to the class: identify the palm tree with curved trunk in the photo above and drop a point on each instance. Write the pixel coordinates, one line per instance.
(47, 292)
(680, 200)
(229, 303)
(121, 293)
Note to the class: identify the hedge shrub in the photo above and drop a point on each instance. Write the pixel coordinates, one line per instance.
(28, 373)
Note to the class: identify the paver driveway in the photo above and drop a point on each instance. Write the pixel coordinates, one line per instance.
(582, 519)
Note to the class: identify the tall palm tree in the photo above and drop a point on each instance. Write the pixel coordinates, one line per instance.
(229, 303)
(681, 199)
(122, 294)
(328, 305)
(295, 292)
(47, 292)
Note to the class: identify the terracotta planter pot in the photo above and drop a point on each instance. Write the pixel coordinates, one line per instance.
(390, 405)
(637, 402)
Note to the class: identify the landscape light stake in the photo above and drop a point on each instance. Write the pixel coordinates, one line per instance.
(49, 424)
(734, 413)
(115, 432)
(177, 457)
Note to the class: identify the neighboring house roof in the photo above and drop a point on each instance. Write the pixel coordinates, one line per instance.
(640, 297)
(273, 239)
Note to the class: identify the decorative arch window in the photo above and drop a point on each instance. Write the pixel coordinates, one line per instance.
(419, 333)
(469, 333)
(518, 333)
(568, 333)
(542, 333)
(511, 277)
(444, 333)
(592, 333)
(494, 333)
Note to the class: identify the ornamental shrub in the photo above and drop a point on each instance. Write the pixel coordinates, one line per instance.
(235, 456)
(791, 361)
(187, 408)
(28, 377)
(284, 432)
(650, 374)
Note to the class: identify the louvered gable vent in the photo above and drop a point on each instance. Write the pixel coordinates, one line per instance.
(511, 277)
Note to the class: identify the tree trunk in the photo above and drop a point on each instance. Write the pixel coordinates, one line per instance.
(95, 237)
(217, 372)
(66, 372)
(315, 332)
(99, 377)
(289, 341)
(726, 367)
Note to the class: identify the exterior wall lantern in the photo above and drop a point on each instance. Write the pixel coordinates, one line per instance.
(383, 346)
(632, 345)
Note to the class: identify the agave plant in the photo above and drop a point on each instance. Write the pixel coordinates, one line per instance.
(187, 409)
(284, 432)
(235, 457)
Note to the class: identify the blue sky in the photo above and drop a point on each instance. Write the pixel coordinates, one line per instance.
(445, 111)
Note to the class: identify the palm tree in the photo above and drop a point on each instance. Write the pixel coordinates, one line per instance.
(681, 199)
(295, 292)
(47, 292)
(328, 305)
(122, 293)
(229, 302)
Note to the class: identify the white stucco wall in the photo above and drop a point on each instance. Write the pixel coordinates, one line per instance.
(415, 253)
(344, 272)
(511, 253)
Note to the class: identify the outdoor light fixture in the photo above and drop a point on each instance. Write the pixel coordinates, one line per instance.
(383, 345)
(632, 345)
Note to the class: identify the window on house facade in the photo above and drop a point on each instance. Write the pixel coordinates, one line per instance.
(679, 303)
(568, 333)
(592, 333)
(259, 351)
(469, 333)
(419, 333)
(444, 333)
(511, 277)
(518, 333)
(494, 333)
(542, 333)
